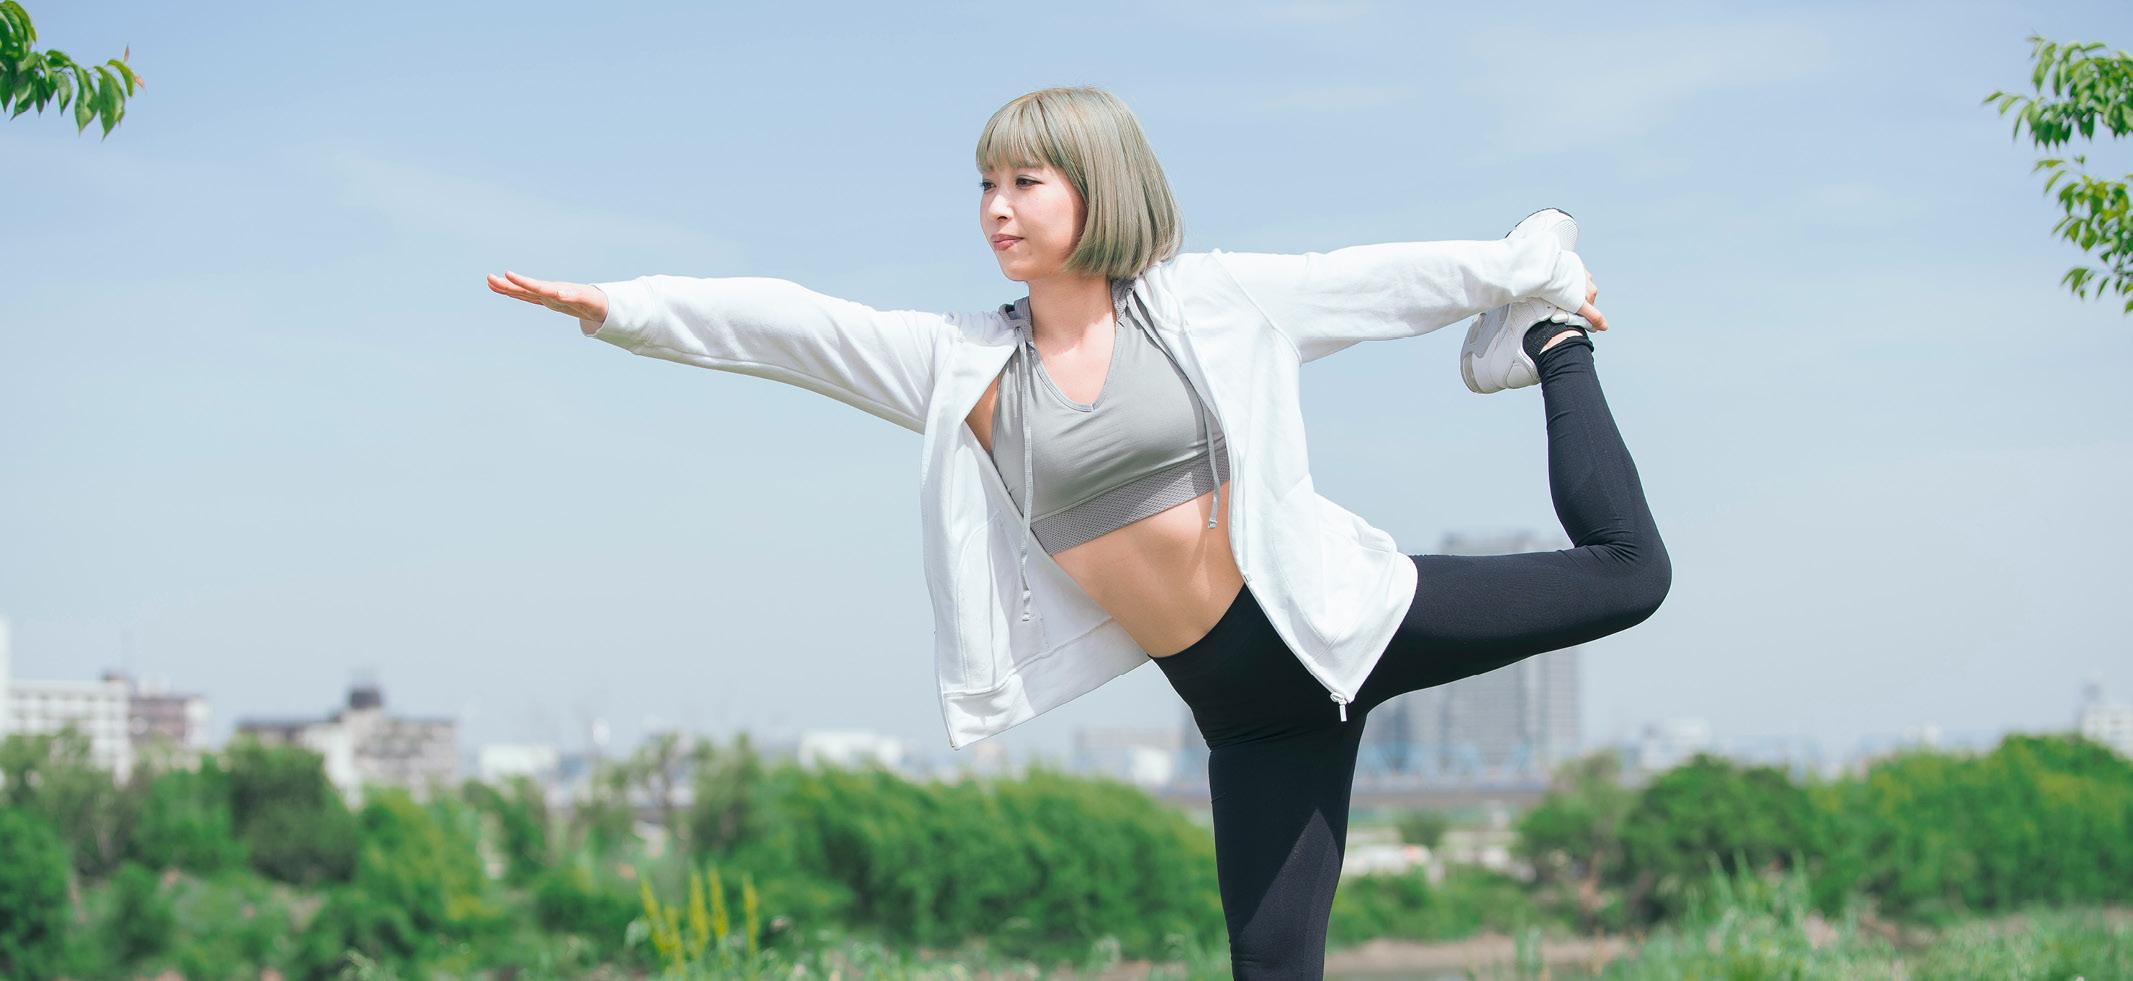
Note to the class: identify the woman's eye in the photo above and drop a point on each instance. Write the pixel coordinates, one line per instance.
(984, 185)
(1025, 181)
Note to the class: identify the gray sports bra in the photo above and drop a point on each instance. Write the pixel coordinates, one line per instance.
(1140, 449)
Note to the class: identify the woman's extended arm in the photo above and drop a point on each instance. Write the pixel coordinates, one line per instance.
(1326, 301)
(879, 361)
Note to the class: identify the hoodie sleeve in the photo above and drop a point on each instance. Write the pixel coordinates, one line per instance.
(880, 361)
(1325, 301)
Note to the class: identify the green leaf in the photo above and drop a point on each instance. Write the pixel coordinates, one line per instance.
(108, 100)
(84, 103)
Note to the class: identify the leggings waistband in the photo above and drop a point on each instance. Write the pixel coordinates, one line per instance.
(1244, 684)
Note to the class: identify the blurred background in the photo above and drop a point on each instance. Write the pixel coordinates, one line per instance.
(274, 460)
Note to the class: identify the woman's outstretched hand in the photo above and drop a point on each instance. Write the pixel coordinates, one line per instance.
(577, 299)
(1588, 311)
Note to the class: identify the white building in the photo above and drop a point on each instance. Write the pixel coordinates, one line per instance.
(2105, 721)
(1666, 745)
(363, 745)
(498, 762)
(118, 717)
(850, 748)
(97, 709)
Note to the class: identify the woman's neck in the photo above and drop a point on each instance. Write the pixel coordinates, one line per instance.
(1064, 310)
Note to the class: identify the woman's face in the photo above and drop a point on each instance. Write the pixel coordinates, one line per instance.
(1031, 217)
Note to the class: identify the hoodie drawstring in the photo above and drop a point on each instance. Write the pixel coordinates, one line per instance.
(1029, 460)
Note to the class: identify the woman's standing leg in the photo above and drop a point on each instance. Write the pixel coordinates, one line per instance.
(1476, 613)
(1281, 832)
(1280, 769)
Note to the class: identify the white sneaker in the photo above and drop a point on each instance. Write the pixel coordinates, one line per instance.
(1494, 356)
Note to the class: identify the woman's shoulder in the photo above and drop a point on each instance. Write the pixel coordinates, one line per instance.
(990, 327)
(1191, 277)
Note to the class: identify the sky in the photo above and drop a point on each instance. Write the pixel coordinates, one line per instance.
(263, 430)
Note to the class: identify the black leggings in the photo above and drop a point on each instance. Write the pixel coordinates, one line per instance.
(1281, 763)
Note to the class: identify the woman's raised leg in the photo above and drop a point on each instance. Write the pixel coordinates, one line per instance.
(1476, 613)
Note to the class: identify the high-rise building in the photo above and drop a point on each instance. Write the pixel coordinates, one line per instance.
(1513, 724)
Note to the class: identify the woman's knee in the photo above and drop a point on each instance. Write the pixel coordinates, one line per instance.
(1652, 576)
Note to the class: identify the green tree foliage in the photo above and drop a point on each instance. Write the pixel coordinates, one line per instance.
(1710, 809)
(236, 925)
(1921, 835)
(1423, 827)
(418, 883)
(33, 896)
(570, 899)
(604, 821)
(1574, 836)
(184, 822)
(142, 921)
(1929, 835)
(2078, 89)
(1408, 907)
(51, 774)
(729, 805)
(519, 814)
(1041, 863)
(32, 79)
(292, 821)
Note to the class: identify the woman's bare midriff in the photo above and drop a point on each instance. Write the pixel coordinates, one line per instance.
(1166, 578)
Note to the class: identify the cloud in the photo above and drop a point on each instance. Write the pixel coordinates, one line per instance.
(1609, 86)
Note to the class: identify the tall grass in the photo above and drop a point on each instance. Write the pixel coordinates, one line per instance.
(1752, 926)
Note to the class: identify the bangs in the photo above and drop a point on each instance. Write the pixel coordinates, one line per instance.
(1019, 136)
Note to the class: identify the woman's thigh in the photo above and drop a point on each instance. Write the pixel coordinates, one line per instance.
(1476, 613)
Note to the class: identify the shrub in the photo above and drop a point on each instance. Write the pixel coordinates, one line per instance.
(33, 896)
(53, 776)
(568, 900)
(1710, 808)
(185, 823)
(142, 922)
(1042, 864)
(293, 823)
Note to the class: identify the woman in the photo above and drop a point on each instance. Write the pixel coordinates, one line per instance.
(1136, 417)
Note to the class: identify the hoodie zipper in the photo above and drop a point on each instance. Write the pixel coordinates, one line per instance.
(1235, 468)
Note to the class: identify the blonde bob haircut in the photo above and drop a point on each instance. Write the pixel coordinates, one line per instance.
(1131, 221)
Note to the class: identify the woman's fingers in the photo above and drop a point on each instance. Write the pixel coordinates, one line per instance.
(1592, 316)
(498, 284)
(576, 299)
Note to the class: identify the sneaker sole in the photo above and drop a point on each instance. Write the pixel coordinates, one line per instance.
(1474, 348)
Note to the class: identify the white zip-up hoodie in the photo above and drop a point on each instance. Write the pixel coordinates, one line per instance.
(1241, 326)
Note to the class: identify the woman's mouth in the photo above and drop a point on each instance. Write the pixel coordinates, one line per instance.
(1000, 243)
